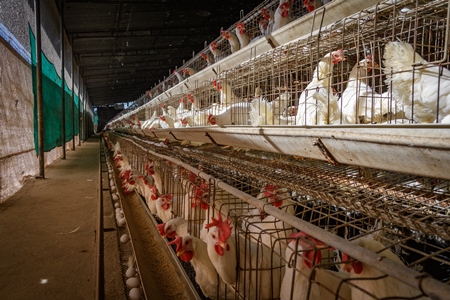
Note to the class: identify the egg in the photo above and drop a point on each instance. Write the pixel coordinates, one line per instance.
(121, 223)
(124, 238)
(115, 197)
(116, 205)
(131, 272)
(118, 210)
(110, 176)
(111, 182)
(135, 294)
(113, 188)
(133, 282)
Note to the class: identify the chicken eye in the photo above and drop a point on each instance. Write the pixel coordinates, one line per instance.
(213, 236)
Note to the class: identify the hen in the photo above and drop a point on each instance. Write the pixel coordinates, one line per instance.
(191, 249)
(317, 103)
(302, 254)
(232, 39)
(360, 103)
(242, 35)
(249, 266)
(235, 114)
(282, 15)
(380, 286)
(423, 91)
(217, 53)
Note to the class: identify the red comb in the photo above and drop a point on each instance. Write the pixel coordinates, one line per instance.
(369, 56)
(223, 226)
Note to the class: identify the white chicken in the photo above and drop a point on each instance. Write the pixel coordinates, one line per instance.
(282, 15)
(235, 114)
(418, 89)
(317, 103)
(379, 286)
(264, 112)
(178, 75)
(242, 35)
(256, 274)
(311, 5)
(191, 249)
(164, 207)
(269, 230)
(304, 252)
(232, 39)
(173, 228)
(208, 58)
(217, 53)
(359, 100)
(189, 71)
(227, 96)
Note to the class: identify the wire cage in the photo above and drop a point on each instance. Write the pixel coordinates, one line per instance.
(405, 215)
(393, 69)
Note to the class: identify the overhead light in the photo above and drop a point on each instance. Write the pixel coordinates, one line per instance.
(127, 43)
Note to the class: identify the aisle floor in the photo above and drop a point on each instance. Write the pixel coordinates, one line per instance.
(47, 230)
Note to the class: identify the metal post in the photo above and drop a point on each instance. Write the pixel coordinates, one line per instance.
(84, 112)
(40, 100)
(73, 99)
(100, 278)
(63, 109)
(79, 106)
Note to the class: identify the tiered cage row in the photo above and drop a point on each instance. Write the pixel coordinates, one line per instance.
(271, 89)
(406, 214)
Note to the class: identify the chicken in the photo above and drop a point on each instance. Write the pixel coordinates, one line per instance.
(304, 252)
(148, 191)
(242, 36)
(255, 271)
(359, 100)
(147, 123)
(427, 86)
(264, 112)
(191, 249)
(317, 102)
(380, 286)
(282, 15)
(178, 75)
(227, 96)
(265, 24)
(208, 58)
(189, 71)
(232, 39)
(164, 207)
(235, 114)
(311, 5)
(217, 53)
(173, 228)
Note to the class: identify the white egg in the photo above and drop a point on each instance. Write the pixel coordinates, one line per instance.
(131, 272)
(112, 183)
(116, 205)
(118, 210)
(133, 282)
(135, 294)
(124, 238)
(115, 197)
(121, 223)
(113, 188)
(110, 176)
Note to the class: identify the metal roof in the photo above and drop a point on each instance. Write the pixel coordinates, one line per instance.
(125, 47)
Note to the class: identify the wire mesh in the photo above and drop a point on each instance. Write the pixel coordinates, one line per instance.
(408, 215)
(380, 81)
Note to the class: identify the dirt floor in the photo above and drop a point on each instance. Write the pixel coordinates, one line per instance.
(48, 228)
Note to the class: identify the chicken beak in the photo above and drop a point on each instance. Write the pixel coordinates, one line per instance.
(222, 245)
(347, 267)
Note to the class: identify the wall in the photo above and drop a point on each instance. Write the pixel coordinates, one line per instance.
(18, 155)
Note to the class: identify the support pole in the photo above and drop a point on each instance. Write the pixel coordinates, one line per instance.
(40, 100)
(73, 99)
(63, 102)
(79, 106)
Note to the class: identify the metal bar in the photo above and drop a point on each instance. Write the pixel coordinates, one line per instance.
(100, 268)
(40, 100)
(79, 106)
(73, 101)
(63, 102)
(431, 287)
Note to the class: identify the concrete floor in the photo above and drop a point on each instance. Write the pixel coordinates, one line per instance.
(47, 230)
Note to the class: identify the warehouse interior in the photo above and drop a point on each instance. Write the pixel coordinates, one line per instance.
(275, 149)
